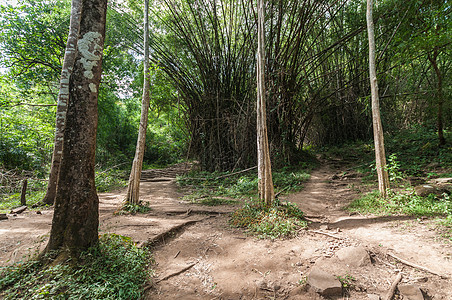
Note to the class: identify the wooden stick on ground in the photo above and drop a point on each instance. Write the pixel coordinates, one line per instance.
(416, 266)
(176, 273)
(325, 233)
(391, 291)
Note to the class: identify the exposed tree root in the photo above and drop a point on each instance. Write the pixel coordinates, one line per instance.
(325, 233)
(417, 266)
(160, 238)
(176, 273)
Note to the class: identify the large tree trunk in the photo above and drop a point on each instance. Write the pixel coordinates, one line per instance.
(265, 181)
(76, 217)
(133, 191)
(63, 98)
(380, 157)
(433, 60)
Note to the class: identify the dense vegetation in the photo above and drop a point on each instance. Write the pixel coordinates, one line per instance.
(203, 108)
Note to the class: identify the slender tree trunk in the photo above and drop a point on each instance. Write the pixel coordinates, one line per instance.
(380, 157)
(133, 191)
(76, 217)
(433, 61)
(265, 185)
(63, 98)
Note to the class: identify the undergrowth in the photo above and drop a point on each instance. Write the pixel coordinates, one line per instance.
(130, 208)
(111, 179)
(278, 221)
(211, 186)
(413, 158)
(11, 185)
(406, 202)
(200, 198)
(116, 269)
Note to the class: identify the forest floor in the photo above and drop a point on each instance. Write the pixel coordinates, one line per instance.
(197, 255)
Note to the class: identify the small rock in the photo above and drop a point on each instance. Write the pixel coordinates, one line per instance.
(410, 292)
(354, 256)
(276, 286)
(3, 217)
(443, 180)
(262, 284)
(324, 227)
(324, 283)
(421, 279)
(373, 297)
(38, 212)
(296, 291)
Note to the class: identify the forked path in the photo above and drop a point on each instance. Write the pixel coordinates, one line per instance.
(199, 256)
(210, 260)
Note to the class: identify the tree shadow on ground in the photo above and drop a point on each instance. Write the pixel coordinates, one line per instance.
(353, 222)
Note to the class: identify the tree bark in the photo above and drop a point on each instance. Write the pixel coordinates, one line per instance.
(133, 191)
(433, 60)
(76, 216)
(63, 98)
(380, 157)
(265, 181)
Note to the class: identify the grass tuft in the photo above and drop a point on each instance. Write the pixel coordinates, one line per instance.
(277, 221)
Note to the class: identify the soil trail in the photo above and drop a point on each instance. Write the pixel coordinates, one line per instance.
(199, 256)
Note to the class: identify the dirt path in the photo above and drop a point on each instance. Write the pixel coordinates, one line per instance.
(199, 256)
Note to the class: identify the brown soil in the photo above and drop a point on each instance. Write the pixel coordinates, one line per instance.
(199, 256)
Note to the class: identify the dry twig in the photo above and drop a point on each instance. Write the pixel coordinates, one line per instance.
(391, 291)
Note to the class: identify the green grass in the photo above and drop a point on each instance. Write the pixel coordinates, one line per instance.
(198, 198)
(408, 203)
(405, 202)
(132, 209)
(278, 221)
(116, 269)
(111, 180)
(209, 185)
(13, 200)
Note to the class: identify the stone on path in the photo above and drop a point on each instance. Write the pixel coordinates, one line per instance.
(442, 180)
(427, 189)
(410, 292)
(18, 210)
(324, 283)
(354, 256)
(3, 217)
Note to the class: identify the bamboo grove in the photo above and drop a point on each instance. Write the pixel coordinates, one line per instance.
(316, 74)
(203, 65)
